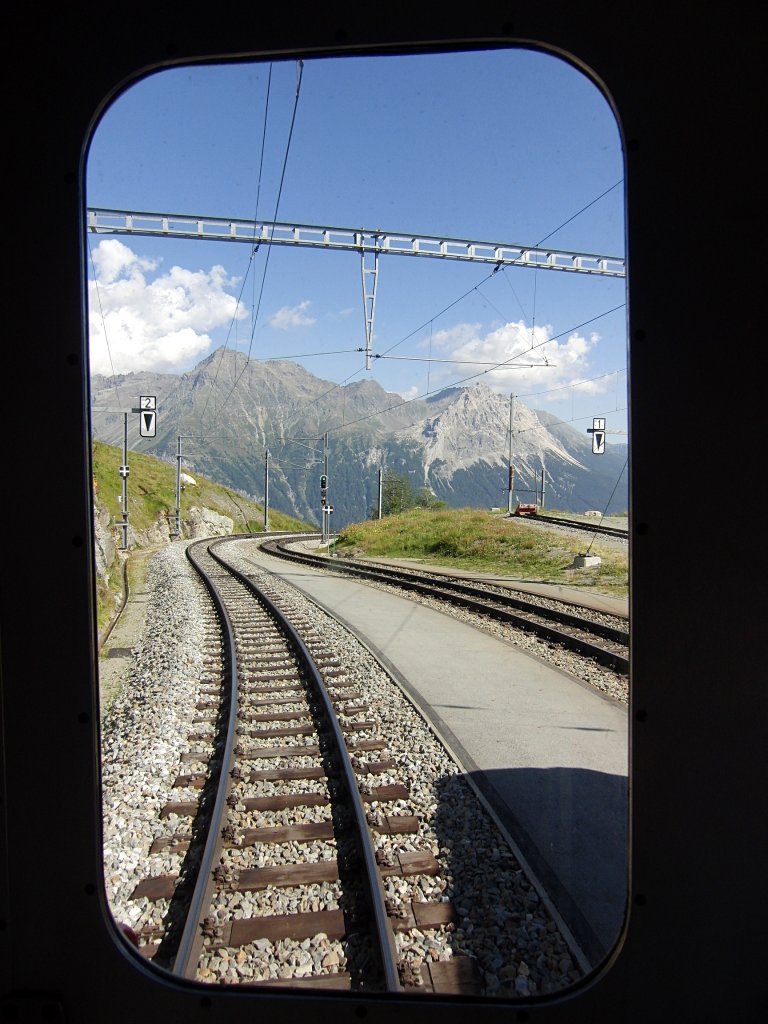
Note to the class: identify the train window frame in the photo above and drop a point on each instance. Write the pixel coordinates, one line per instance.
(587, 943)
(638, 981)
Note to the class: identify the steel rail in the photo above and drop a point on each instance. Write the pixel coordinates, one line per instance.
(383, 932)
(190, 943)
(575, 524)
(619, 636)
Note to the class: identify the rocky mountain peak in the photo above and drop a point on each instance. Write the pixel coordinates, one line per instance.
(456, 442)
(474, 428)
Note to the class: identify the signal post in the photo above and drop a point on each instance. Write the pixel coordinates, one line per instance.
(326, 509)
(147, 411)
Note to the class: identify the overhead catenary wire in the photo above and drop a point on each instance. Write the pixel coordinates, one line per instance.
(311, 355)
(579, 212)
(428, 323)
(476, 288)
(257, 309)
(463, 380)
(517, 298)
(254, 246)
(255, 317)
(554, 232)
(236, 444)
(257, 206)
(426, 394)
(386, 354)
(610, 499)
(104, 324)
(462, 362)
(572, 384)
(494, 306)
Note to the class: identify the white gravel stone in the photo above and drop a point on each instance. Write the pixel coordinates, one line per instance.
(502, 920)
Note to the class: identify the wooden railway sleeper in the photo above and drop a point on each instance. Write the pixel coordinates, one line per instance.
(410, 975)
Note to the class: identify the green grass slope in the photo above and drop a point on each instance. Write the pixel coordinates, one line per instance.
(152, 512)
(476, 540)
(152, 494)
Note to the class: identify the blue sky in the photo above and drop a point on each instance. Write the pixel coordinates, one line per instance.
(505, 146)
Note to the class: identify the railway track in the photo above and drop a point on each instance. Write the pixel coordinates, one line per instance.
(283, 832)
(607, 644)
(578, 524)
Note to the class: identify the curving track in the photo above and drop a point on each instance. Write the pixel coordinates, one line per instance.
(579, 525)
(289, 858)
(285, 719)
(591, 637)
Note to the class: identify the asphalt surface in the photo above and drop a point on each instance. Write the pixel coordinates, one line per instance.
(116, 644)
(549, 753)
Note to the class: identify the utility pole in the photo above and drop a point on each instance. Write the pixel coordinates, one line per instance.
(266, 490)
(178, 486)
(124, 474)
(324, 491)
(511, 481)
(381, 489)
(147, 411)
(326, 509)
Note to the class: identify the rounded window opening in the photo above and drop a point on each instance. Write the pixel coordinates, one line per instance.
(371, 310)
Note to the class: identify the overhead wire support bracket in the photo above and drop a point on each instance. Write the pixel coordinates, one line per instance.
(370, 245)
(370, 272)
(377, 242)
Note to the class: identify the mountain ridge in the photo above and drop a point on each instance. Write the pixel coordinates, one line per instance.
(229, 410)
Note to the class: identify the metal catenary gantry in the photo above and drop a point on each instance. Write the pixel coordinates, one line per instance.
(370, 244)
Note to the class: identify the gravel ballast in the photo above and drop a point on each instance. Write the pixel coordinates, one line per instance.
(504, 920)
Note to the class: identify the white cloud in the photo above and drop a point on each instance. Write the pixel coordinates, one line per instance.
(288, 317)
(409, 393)
(162, 324)
(112, 259)
(556, 362)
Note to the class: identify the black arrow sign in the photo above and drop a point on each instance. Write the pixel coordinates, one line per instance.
(148, 423)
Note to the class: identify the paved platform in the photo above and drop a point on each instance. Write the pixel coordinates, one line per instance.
(549, 753)
(116, 647)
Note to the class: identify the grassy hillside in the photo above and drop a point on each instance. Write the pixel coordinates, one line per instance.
(152, 501)
(476, 540)
(152, 494)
